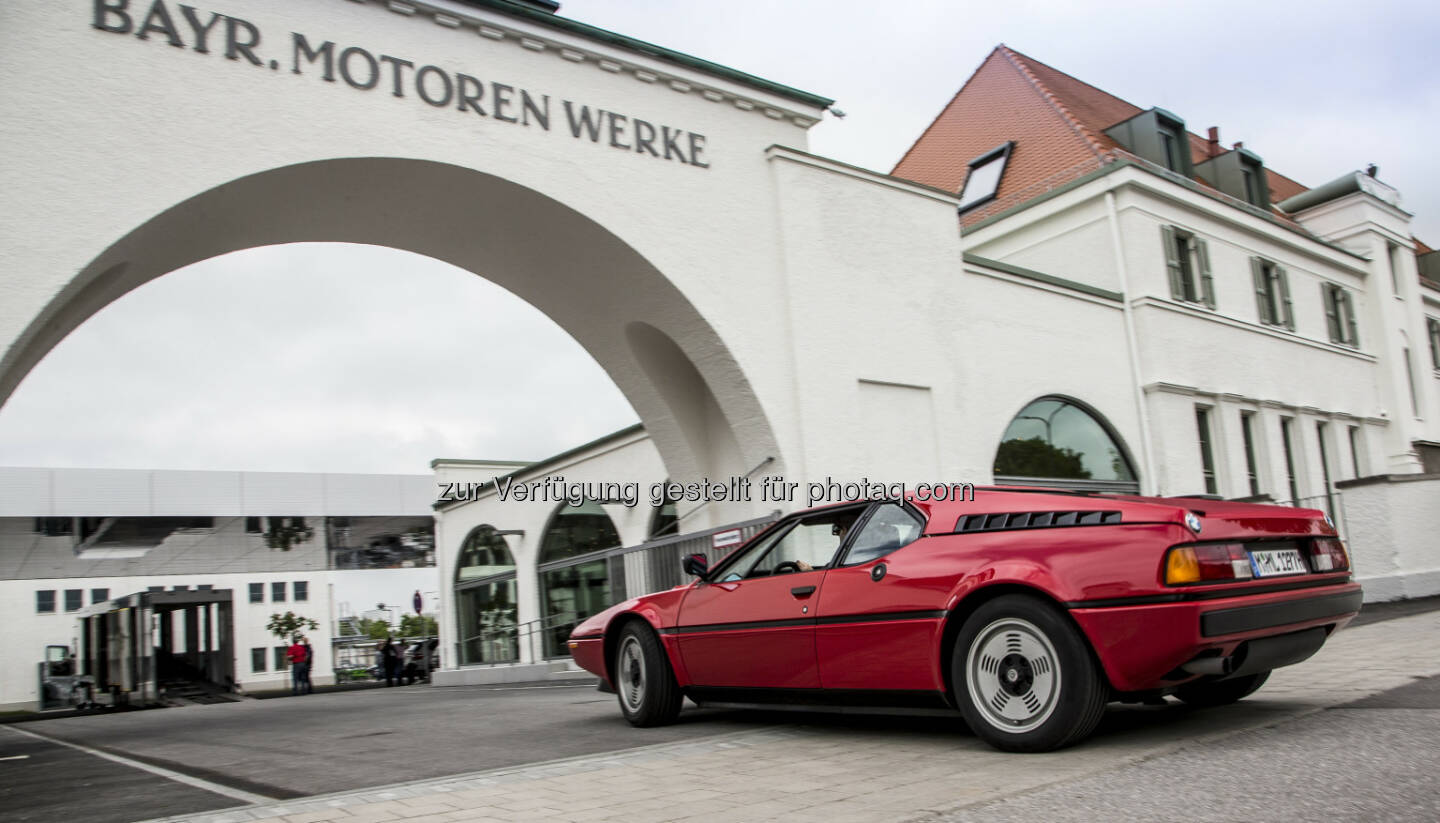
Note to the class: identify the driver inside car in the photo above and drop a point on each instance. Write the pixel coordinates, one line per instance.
(838, 530)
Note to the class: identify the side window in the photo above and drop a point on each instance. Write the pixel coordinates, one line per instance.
(889, 528)
(805, 545)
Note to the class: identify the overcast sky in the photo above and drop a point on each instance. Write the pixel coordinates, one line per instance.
(206, 369)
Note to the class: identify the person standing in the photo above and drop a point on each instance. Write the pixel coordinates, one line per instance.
(299, 659)
(309, 664)
(390, 653)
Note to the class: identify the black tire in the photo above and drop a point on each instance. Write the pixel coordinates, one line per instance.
(1025, 678)
(644, 682)
(1221, 692)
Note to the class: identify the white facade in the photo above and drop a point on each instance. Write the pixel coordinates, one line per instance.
(762, 309)
(45, 579)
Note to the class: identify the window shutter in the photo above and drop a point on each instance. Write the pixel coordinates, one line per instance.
(1332, 311)
(1262, 291)
(1172, 262)
(1207, 283)
(1352, 334)
(1287, 310)
(1434, 341)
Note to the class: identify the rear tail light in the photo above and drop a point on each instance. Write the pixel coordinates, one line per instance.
(1327, 554)
(1206, 563)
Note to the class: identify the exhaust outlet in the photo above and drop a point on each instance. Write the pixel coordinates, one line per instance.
(1210, 666)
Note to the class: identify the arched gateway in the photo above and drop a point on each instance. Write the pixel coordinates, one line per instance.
(595, 181)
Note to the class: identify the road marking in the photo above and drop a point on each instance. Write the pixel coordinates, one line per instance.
(216, 788)
(16, 757)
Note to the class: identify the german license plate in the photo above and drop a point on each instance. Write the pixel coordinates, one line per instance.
(1277, 562)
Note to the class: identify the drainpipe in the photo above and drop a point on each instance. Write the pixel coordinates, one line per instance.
(1149, 484)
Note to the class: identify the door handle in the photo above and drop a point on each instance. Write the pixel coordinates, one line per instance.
(803, 591)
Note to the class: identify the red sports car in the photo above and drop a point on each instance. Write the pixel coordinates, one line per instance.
(1026, 609)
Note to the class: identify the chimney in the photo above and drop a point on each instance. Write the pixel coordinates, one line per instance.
(1212, 146)
(1238, 145)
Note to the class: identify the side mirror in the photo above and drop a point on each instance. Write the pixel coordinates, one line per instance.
(696, 565)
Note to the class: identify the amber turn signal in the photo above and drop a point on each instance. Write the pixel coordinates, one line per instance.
(1182, 566)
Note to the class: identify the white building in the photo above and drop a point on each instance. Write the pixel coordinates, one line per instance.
(1121, 305)
(74, 538)
(1134, 308)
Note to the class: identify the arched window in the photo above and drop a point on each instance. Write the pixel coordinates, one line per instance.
(486, 598)
(483, 554)
(571, 592)
(576, 530)
(1056, 441)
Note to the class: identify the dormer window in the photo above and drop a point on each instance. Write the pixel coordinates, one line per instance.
(1239, 173)
(1158, 136)
(982, 181)
(1170, 149)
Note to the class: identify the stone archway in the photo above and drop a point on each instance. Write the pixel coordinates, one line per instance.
(664, 356)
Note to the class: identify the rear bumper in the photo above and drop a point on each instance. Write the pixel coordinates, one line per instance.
(1142, 646)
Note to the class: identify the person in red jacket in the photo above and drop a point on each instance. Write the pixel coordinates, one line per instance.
(299, 655)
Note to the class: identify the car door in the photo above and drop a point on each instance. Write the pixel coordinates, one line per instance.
(880, 615)
(751, 625)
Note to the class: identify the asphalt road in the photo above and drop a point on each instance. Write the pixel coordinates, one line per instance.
(1371, 760)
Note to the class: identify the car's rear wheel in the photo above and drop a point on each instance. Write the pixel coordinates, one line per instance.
(1221, 692)
(644, 681)
(1025, 678)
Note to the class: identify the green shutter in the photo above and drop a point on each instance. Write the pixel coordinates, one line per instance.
(1332, 311)
(1172, 262)
(1207, 283)
(1288, 311)
(1353, 335)
(1262, 291)
(1434, 341)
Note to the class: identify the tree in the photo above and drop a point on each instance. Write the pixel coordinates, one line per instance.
(290, 624)
(414, 625)
(1036, 458)
(374, 629)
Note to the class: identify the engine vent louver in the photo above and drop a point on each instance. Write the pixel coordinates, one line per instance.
(1015, 521)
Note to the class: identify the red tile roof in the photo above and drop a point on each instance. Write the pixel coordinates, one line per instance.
(1057, 122)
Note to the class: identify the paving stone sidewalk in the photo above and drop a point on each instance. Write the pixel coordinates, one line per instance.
(836, 769)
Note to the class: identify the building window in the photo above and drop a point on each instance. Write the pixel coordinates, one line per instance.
(1170, 147)
(1355, 451)
(155, 588)
(99, 596)
(982, 181)
(1288, 442)
(45, 601)
(205, 587)
(257, 660)
(1272, 293)
(54, 526)
(302, 591)
(74, 600)
(1339, 314)
(277, 591)
(1432, 330)
(1054, 441)
(282, 662)
(1187, 259)
(252, 526)
(257, 592)
(1207, 455)
(1247, 432)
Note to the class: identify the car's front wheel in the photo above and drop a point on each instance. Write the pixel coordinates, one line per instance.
(1221, 692)
(644, 682)
(1024, 677)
